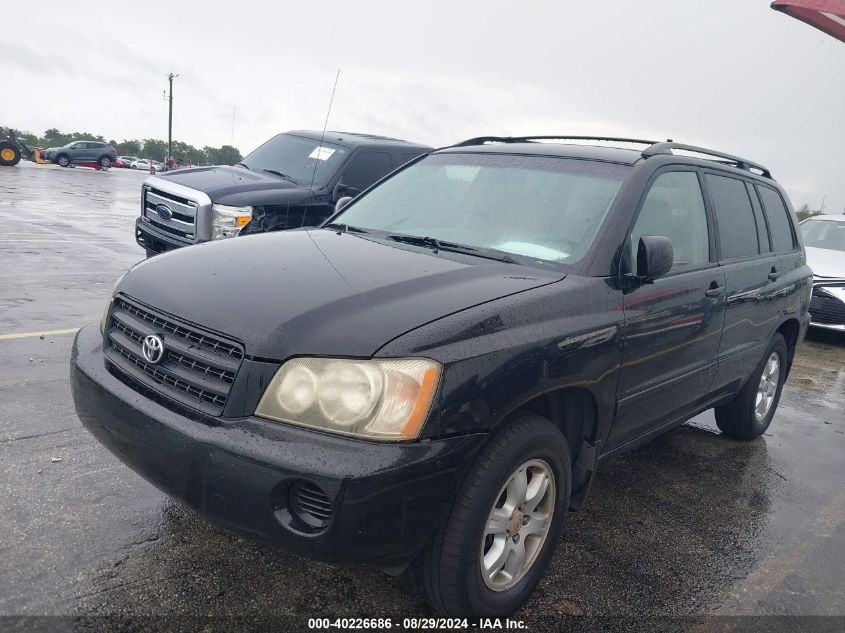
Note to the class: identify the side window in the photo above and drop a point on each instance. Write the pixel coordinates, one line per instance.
(674, 207)
(779, 222)
(734, 215)
(366, 168)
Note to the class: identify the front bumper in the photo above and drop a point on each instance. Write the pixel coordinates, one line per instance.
(151, 239)
(827, 306)
(386, 498)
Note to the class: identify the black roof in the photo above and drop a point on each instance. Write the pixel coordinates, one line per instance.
(568, 150)
(351, 139)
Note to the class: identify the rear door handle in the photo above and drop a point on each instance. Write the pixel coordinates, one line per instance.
(714, 290)
(773, 276)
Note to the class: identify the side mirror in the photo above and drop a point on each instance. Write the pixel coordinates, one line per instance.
(342, 203)
(341, 190)
(655, 256)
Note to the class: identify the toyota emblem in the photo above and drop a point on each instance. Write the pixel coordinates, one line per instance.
(152, 348)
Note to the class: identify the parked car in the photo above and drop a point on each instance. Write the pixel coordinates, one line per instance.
(292, 180)
(144, 164)
(127, 160)
(432, 377)
(824, 239)
(81, 151)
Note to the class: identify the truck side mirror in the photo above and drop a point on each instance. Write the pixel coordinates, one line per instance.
(655, 257)
(341, 190)
(342, 203)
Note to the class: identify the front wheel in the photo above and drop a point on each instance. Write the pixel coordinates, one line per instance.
(749, 414)
(10, 155)
(63, 161)
(488, 556)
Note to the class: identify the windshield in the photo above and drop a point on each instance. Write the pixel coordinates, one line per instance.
(295, 158)
(827, 234)
(542, 208)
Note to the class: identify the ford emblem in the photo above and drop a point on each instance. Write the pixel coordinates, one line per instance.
(164, 212)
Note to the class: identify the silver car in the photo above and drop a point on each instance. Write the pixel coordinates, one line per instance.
(824, 239)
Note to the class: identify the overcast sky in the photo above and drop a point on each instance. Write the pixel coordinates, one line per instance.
(729, 74)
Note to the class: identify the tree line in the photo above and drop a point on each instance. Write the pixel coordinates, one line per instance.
(153, 148)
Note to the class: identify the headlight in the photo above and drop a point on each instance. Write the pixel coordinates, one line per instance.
(377, 399)
(228, 221)
(107, 307)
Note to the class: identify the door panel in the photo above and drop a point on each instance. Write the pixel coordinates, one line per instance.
(672, 330)
(672, 326)
(753, 297)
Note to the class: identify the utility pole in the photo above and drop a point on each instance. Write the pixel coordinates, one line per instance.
(170, 78)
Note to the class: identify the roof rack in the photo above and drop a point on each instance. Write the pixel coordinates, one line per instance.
(740, 163)
(480, 140)
(654, 148)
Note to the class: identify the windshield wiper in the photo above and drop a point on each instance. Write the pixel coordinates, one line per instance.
(439, 245)
(340, 227)
(280, 175)
(244, 165)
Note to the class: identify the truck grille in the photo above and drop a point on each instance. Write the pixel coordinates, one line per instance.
(197, 368)
(182, 224)
(826, 309)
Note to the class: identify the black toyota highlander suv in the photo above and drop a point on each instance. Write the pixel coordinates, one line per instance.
(292, 180)
(432, 377)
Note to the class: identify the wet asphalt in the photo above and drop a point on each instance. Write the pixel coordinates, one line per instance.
(692, 524)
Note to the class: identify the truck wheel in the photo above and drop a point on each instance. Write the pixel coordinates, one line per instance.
(487, 556)
(62, 160)
(9, 154)
(105, 162)
(749, 414)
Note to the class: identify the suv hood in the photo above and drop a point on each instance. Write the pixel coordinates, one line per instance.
(235, 185)
(319, 292)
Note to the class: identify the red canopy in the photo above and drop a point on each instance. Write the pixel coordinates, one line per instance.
(825, 15)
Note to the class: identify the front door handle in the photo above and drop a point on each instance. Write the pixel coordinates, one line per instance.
(773, 276)
(714, 290)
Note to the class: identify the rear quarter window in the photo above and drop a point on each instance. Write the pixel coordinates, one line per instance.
(780, 225)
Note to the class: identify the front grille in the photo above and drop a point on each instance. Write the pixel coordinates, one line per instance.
(311, 504)
(826, 309)
(182, 224)
(197, 368)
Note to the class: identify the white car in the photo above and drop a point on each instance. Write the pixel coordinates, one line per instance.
(824, 239)
(144, 164)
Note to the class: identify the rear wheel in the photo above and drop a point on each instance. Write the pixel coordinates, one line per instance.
(749, 414)
(63, 160)
(105, 162)
(488, 556)
(10, 155)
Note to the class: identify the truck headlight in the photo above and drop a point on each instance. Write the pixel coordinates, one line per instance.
(382, 399)
(227, 221)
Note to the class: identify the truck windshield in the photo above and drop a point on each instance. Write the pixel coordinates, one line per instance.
(297, 157)
(538, 207)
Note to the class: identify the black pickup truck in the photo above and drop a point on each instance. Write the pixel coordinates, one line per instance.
(292, 180)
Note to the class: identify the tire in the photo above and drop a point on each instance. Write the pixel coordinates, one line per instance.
(105, 162)
(133, 166)
(62, 160)
(10, 155)
(746, 417)
(448, 572)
